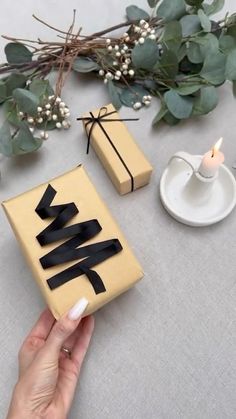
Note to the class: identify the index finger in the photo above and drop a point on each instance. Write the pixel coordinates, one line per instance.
(43, 326)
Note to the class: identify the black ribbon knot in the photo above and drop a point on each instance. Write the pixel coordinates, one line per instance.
(92, 254)
(102, 117)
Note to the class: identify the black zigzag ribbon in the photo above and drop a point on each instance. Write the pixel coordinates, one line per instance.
(92, 254)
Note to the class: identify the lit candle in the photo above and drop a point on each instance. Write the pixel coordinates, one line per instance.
(211, 161)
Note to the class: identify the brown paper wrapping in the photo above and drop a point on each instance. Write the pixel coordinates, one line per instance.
(133, 157)
(118, 273)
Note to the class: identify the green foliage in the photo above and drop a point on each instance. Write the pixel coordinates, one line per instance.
(27, 102)
(206, 101)
(85, 65)
(133, 94)
(179, 106)
(190, 24)
(215, 7)
(152, 3)
(205, 21)
(171, 9)
(146, 55)
(41, 88)
(213, 69)
(21, 141)
(3, 91)
(114, 95)
(172, 35)
(5, 140)
(135, 13)
(230, 67)
(10, 111)
(24, 142)
(17, 53)
(13, 81)
(168, 65)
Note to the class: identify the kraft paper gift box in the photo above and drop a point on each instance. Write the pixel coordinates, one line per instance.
(72, 243)
(121, 157)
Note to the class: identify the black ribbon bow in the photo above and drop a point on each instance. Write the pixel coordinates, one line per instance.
(92, 254)
(102, 117)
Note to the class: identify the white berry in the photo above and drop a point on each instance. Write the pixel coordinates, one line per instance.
(48, 106)
(39, 109)
(109, 48)
(153, 37)
(131, 73)
(54, 117)
(58, 100)
(137, 105)
(101, 73)
(108, 41)
(118, 54)
(40, 120)
(58, 125)
(141, 40)
(116, 47)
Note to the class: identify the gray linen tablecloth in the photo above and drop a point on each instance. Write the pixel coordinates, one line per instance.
(166, 349)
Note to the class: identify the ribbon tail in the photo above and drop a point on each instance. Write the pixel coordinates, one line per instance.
(94, 279)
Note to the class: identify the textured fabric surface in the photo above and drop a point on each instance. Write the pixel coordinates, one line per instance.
(166, 349)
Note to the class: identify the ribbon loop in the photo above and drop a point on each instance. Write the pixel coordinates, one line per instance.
(91, 254)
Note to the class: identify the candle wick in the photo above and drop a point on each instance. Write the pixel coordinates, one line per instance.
(213, 153)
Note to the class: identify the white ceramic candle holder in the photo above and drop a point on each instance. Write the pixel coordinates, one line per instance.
(193, 199)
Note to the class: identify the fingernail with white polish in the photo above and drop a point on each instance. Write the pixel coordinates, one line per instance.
(77, 310)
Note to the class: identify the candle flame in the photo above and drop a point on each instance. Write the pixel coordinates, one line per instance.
(217, 146)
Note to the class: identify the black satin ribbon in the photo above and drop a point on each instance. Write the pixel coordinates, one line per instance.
(92, 254)
(93, 120)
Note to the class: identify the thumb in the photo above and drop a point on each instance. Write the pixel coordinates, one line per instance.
(63, 328)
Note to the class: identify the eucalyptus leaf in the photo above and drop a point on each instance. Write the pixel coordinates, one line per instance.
(234, 88)
(10, 111)
(190, 24)
(114, 95)
(179, 106)
(213, 69)
(187, 88)
(41, 88)
(172, 35)
(13, 81)
(227, 43)
(205, 21)
(215, 7)
(201, 46)
(206, 101)
(17, 53)
(3, 91)
(230, 68)
(171, 119)
(5, 140)
(167, 65)
(133, 94)
(146, 55)
(182, 52)
(152, 3)
(171, 9)
(27, 102)
(135, 13)
(25, 142)
(194, 53)
(160, 115)
(84, 65)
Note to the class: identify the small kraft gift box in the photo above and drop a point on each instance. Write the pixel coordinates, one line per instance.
(72, 243)
(121, 157)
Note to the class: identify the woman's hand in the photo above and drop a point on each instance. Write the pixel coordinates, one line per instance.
(47, 374)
